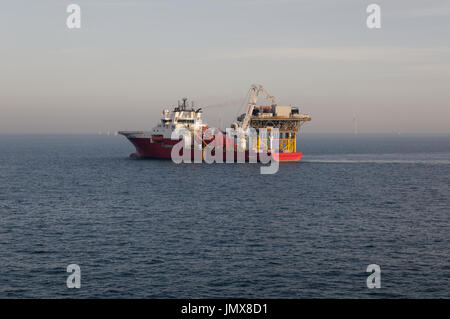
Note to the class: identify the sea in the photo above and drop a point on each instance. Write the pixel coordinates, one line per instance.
(156, 229)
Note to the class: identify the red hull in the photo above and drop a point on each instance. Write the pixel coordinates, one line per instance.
(162, 150)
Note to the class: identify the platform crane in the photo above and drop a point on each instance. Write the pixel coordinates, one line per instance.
(255, 90)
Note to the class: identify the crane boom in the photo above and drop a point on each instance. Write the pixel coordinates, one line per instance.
(254, 93)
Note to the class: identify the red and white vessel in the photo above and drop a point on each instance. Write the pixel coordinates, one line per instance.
(158, 142)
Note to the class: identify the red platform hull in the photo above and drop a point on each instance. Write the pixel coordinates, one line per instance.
(145, 148)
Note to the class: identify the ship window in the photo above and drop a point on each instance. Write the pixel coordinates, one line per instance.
(185, 121)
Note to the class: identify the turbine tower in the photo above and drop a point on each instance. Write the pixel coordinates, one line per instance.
(355, 124)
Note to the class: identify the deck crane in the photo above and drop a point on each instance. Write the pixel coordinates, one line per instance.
(254, 93)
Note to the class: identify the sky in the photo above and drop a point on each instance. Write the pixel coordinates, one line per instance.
(131, 59)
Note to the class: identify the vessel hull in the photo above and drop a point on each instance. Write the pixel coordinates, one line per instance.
(146, 148)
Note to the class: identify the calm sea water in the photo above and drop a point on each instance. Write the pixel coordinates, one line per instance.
(156, 229)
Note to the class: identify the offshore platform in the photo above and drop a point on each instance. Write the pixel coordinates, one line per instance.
(286, 119)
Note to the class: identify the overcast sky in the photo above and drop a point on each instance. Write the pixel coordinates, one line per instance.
(130, 59)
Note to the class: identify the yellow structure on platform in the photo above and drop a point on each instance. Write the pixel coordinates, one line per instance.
(279, 145)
